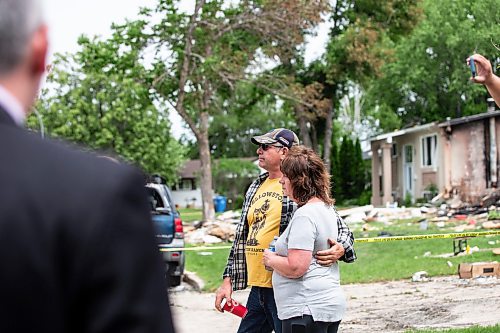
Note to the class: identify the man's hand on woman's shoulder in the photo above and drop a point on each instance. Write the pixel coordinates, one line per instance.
(330, 256)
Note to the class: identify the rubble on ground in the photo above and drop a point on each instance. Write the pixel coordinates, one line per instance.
(218, 231)
(421, 276)
(453, 213)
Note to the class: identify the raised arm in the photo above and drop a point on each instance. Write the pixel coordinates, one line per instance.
(485, 76)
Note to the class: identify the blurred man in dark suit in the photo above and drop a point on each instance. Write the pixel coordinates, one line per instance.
(77, 247)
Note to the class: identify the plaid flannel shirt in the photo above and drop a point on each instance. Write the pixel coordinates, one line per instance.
(236, 267)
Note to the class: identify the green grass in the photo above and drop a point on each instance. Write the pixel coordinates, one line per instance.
(208, 267)
(189, 215)
(376, 261)
(400, 259)
(474, 329)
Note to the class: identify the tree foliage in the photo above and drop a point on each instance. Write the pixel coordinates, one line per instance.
(232, 176)
(358, 165)
(350, 176)
(247, 112)
(427, 78)
(406, 56)
(361, 39)
(335, 170)
(200, 57)
(99, 98)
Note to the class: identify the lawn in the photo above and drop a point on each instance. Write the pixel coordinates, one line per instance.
(189, 215)
(208, 264)
(400, 259)
(376, 261)
(474, 329)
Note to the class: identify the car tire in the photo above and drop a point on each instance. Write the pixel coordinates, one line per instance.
(175, 281)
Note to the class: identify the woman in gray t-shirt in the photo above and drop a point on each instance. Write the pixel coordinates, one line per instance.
(306, 293)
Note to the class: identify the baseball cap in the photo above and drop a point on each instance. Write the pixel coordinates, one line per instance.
(283, 136)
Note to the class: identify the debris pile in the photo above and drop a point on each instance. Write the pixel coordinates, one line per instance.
(453, 213)
(218, 231)
(464, 217)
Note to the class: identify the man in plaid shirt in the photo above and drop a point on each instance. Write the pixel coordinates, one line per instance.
(266, 213)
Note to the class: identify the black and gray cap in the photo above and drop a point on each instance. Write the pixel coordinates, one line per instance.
(282, 136)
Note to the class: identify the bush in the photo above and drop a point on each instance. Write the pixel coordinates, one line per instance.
(421, 200)
(493, 215)
(365, 198)
(408, 199)
(238, 201)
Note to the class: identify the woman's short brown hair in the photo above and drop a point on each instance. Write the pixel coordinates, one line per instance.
(307, 174)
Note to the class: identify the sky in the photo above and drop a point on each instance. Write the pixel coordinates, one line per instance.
(68, 19)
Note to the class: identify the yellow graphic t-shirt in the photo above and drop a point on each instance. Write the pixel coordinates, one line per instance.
(263, 219)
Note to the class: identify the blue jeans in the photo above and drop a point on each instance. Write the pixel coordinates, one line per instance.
(262, 316)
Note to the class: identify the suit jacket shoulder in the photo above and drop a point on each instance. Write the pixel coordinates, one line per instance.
(85, 254)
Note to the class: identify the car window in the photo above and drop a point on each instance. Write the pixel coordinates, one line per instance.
(155, 199)
(170, 201)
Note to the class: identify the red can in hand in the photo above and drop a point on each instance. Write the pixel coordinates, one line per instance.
(235, 308)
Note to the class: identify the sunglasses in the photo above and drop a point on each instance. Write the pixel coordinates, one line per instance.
(265, 147)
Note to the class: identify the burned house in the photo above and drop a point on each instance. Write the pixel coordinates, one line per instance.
(457, 157)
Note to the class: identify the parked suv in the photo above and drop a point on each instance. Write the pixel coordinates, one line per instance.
(169, 230)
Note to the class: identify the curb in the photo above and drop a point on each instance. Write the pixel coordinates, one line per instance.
(193, 280)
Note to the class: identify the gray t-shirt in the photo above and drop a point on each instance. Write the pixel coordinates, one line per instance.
(318, 291)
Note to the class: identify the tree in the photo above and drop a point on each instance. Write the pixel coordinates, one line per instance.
(335, 171)
(200, 57)
(351, 175)
(428, 78)
(361, 38)
(232, 176)
(96, 98)
(346, 179)
(359, 167)
(248, 112)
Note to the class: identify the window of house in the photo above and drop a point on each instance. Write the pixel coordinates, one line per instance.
(429, 146)
(186, 184)
(394, 150)
(408, 154)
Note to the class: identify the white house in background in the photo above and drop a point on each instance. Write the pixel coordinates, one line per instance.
(187, 191)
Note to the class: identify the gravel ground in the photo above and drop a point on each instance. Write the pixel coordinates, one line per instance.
(395, 306)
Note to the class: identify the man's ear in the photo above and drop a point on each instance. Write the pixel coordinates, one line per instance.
(39, 48)
(284, 151)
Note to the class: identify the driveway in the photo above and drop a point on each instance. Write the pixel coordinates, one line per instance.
(442, 302)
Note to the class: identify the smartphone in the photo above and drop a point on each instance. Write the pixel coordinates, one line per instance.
(472, 67)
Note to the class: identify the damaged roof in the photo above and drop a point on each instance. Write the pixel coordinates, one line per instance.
(413, 129)
(469, 119)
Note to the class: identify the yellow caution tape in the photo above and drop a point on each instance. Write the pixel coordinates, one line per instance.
(197, 248)
(358, 240)
(430, 236)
